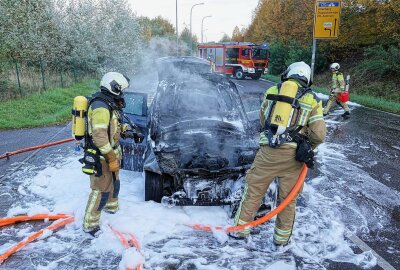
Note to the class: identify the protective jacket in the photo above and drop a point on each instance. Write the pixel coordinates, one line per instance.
(338, 83)
(311, 118)
(105, 125)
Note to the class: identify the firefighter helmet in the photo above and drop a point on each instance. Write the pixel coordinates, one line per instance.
(335, 66)
(114, 83)
(299, 71)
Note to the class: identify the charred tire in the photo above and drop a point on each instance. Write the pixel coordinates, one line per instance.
(153, 187)
(239, 74)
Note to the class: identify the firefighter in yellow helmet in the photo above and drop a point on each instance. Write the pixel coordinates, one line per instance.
(338, 87)
(105, 126)
(284, 148)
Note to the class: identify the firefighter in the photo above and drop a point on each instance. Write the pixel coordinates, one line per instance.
(279, 154)
(212, 64)
(105, 126)
(338, 87)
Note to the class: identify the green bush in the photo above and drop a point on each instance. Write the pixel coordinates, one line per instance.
(379, 63)
(283, 55)
(278, 58)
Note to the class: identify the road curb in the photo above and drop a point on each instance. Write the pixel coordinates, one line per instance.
(364, 247)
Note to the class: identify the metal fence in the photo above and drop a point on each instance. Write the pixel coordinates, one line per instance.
(21, 78)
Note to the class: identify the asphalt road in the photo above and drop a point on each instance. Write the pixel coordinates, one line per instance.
(368, 176)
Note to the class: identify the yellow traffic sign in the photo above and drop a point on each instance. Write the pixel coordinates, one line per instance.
(326, 19)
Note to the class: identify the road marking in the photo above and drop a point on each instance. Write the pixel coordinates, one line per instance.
(239, 85)
(364, 247)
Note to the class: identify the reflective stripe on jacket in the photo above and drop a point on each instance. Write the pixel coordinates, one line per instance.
(99, 124)
(338, 83)
(311, 117)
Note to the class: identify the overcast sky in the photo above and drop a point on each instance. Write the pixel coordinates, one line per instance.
(226, 14)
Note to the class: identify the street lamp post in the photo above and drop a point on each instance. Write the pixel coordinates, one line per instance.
(177, 32)
(191, 41)
(202, 21)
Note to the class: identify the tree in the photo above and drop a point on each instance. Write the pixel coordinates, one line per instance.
(162, 27)
(157, 27)
(185, 38)
(101, 34)
(225, 38)
(237, 35)
(27, 30)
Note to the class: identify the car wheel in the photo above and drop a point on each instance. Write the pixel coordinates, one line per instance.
(153, 187)
(256, 76)
(239, 74)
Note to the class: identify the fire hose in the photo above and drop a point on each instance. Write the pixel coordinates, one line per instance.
(60, 220)
(129, 242)
(9, 154)
(293, 193)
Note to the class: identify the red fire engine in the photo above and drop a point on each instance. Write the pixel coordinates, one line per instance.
(240, 59)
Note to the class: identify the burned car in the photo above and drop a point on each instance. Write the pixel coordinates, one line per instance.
(136, 113)
(200, 144)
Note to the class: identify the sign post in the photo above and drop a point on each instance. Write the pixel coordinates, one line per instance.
(326, 24)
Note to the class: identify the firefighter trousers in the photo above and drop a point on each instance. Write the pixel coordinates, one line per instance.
(104, 196)
(271, 163)
(331, 101)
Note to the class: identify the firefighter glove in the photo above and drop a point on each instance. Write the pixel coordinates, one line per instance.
(305, 153)
(136, 136)
(125, 127)
(113, 162)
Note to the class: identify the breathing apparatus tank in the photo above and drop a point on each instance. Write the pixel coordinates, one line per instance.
(282, 113)
(79, 111)
(345, 96)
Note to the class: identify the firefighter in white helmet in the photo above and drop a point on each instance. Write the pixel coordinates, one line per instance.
(338, 87)
(104, 126)
(293, 126)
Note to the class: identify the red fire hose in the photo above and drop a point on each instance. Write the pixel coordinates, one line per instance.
(61, 220)
(9, 154)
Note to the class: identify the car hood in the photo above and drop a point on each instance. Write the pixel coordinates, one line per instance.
(201, 139)
(206, 128)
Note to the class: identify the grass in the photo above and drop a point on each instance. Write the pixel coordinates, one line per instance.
(42, 109)
(272, 78)
(365, 100)
(368, 101)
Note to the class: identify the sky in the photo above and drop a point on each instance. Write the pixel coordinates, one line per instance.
(226, 14)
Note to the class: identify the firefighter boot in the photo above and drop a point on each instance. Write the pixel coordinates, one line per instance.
(93, 232)
(241, 235)
(281, 248)
(346, 115)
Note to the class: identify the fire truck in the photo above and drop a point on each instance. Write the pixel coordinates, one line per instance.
(239, 59)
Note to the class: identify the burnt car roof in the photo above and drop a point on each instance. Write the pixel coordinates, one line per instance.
(200, 97)
(173, 66)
